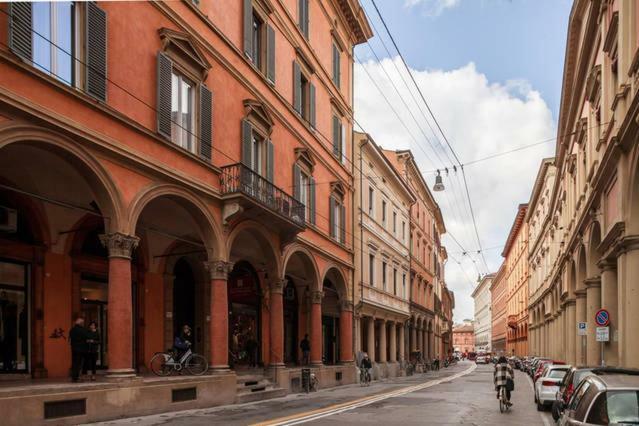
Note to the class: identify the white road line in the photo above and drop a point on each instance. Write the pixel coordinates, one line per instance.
(388, 395)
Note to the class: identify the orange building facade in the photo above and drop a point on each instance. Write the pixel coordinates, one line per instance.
(179, 163)
(499, 306)
(516, 276)
(464, 338)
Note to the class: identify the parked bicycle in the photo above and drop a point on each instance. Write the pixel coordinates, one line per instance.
(165, 363)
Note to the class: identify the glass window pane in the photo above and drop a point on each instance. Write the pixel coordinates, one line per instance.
(14, 328)
(187, 109)
(622, 407)
(41, 35)
(63, 41)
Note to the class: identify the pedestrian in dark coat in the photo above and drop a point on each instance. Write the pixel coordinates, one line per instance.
(91, 355)
(502, 375)
(78, 341)
(305, 346)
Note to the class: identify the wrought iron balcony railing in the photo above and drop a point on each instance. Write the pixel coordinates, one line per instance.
(240, 179)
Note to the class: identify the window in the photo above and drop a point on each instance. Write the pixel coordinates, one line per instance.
(302, 16)
(53, 39)
(404, 285)
(259, 38)
(371, 200)
(371, 269)
(336, 65)
(394, 223)
(395, 281)
(384, 275)
(339, 139)
(303, 93)
(182, 116)
(257, 148)
(384, 212)
(615, 407)
(403, 231)
(337, 215)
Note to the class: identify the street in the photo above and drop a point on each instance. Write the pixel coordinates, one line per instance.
(461, 394)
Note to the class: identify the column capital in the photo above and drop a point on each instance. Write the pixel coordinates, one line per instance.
(119, 244)
(316, 296)
(277, 286)
(218, 269)
(607, 264)
(627, 243)
(346, 306)
(581, 293)
(593, 282)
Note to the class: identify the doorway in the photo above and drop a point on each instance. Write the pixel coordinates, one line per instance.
(184, 299)
(244, 298)
(14, 317)
(291, 307)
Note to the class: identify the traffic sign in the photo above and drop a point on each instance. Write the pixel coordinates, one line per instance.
(603, 334)
(602, 318)
(581, 328)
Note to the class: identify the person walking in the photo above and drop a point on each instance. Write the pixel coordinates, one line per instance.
(504, 376)
(78, 340)
(305, 346)
(91, 355)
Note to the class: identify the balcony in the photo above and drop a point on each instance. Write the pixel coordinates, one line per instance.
(248, 195)
(512, 321)
(378, 297)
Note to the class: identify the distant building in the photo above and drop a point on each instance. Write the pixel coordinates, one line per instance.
(464, 337)
(498, 295)
(483, 317)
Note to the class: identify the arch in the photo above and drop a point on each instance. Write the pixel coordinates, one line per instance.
(210, 233)
(594, 255)
(334, 274)
(34, 216)
(632, 195)
(581, 268)
(307, 259)
(108, 197)
(265, 242)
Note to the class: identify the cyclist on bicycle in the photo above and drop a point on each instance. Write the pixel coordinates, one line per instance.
(365, 365)
(502, 375)
(182, 342)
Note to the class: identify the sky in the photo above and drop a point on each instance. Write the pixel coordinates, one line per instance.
(491, 72)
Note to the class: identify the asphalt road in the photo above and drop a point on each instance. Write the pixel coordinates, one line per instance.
(462, 394)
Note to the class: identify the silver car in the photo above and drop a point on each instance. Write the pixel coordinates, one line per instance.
(604, 398)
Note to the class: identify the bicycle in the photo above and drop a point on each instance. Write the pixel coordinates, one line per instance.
(364, 377)
(164, 363)
(504, 404)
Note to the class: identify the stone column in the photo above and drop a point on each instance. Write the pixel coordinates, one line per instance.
(346, 332)
(628, 303)
(580, 341)
(420, 340)
(382, 341)
(593, 304)
(276, 323)
(120, 312)
(219, 325)
(424, 342)
(413, 338)
(370, 327)
(609, 302)
(571, 332)
(393, 342)
(316, 327)
(402, 343)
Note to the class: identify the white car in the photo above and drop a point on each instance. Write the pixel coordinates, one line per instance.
(547, 386)
(481, 359)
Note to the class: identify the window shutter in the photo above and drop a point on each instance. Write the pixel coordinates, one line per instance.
(331, 216)
(270, 160)
(336, 134)
(20, 41)
(311, 202)
(342, 221)
(206, 122)
(247, 135)
(270, 53)
(297, 189)
(342, 140)
(248, 28)
(312, 105)
(165, 71)
(336, 65)
(96, 51)
(303, 16)
(297, 87)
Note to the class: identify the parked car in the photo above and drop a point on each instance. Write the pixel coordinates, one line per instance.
(472, 356)
(571, 380)
(547, 386)
(542, 364)
(610, 396)
(481, 359)
(533, 365)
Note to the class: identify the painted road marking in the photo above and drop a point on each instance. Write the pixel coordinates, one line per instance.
(308, 416)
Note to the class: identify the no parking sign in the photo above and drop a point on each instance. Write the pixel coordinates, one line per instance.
(602, 318)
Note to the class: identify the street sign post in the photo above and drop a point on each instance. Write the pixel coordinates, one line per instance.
(582, 328)
(602, 318)
(603, 334)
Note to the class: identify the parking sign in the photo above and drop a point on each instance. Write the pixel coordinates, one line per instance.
(581, 329)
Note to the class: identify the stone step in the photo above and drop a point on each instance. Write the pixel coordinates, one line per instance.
(268, 393)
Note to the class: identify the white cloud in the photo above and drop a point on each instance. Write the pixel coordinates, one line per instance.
(479, 118)
(432, 7)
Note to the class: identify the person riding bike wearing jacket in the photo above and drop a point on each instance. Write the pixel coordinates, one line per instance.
(502, 375)
(183, 342)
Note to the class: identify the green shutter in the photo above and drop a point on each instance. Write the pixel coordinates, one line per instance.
(336, 65)
(248, 28)
(297, 190)
(336, 134)
(270, 54)
(165, 71)
(303, 16)
(297, 87)
(206, 122)
(342, 141)
(247, 135)
(270, 160)
(311, 202)
(342, 222)
(20, 40)
(96, 51)
(331, 216)
(311, 100)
